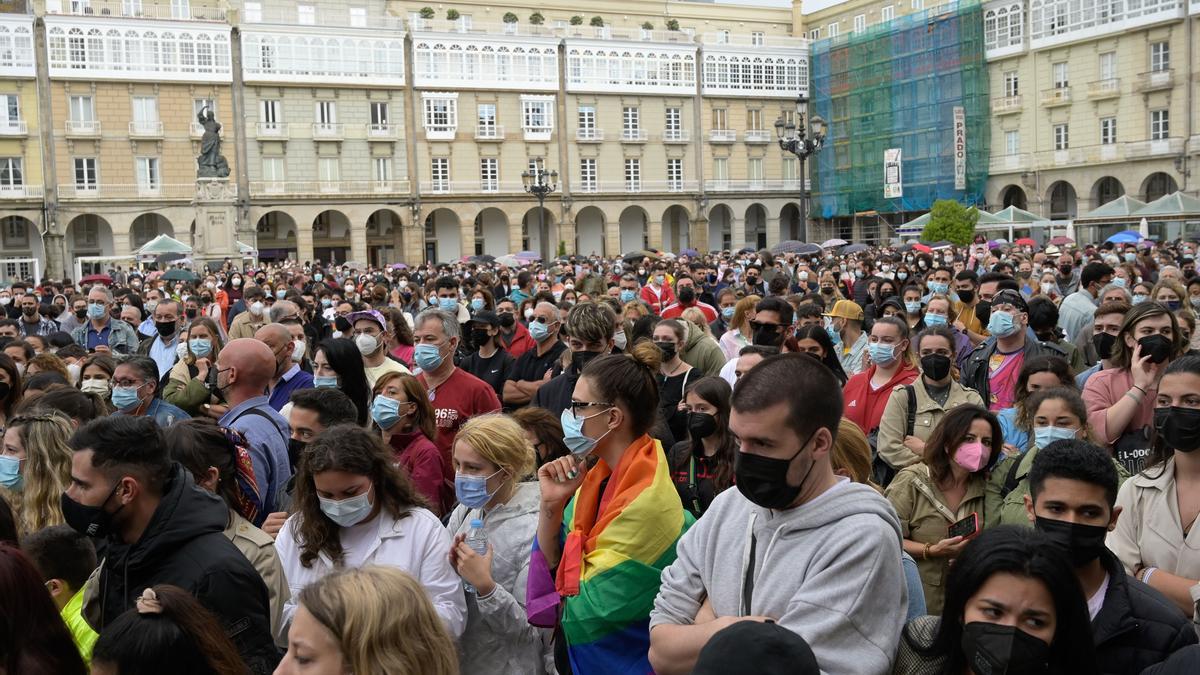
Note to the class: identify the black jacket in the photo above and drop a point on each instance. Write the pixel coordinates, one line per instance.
(184, 546)
(975, 370)
(1136, 627)
(555, 395)
(1186, 661)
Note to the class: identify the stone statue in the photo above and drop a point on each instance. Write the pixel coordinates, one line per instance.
(210, 163)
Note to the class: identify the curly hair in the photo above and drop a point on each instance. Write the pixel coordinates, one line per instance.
(44, 435)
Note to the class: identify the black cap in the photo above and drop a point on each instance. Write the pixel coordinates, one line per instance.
(486, 316)
(1010, 297)
(756, 647)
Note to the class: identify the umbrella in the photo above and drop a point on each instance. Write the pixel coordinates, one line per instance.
(922, 248)
(1061, 240)
(995, 243)
(508, 261)
(808, 249)
(178, 274)
(789, 246)
(399, 266)
(834, 242)
(170, 257)
(940, 245)
(747, 249)
(1025, 241)
(97, 279)
(483, 258)
(690, 252)
(638, 255)
(854, 248)
(1126, 237)
(527, 255)
(163, 244)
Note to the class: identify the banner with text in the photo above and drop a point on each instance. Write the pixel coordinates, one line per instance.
(893, 187)
(960, 148)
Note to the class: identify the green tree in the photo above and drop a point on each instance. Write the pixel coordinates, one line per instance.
(597, 21)
(509, 17)
(951, 221)
(537, 19)
(452, 14)
(577, 20)
(562, 248)
(427, 13)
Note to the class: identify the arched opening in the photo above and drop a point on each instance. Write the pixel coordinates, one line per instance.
(276, 232)
(756, 226)
(491, 232)
(1105, 190)
(720, 228)
(1062, 201)
(443, 240)
(676, 229)
(89, 235)
(790, 226)
(331, 237)
(1014, 195)
(383, 226)
(589, 232)
(531, 238)
(633, 231)
(148, 226)
(20, 239)
(1158, 185)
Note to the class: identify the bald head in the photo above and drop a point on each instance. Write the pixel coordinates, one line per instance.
(245, 367)
(284, 310)
(278, 339)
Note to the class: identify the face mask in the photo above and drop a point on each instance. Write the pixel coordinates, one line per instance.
(5, 300)
(627, 295)
(767, 337)
(181, 350)
(1139, 298)
(298, 351)
(687, 295)
(966, 296)
(668, 350)
(912, 306)
(476, 304)
(528, 314)
(385, 411)
(935, 366)
(29, 311)
(579, 445)
(901, 275)
(166, 329)
(256, 308)
(1157, 347)
(448, 305)
(367, 344)
(200, 347)
(236, 282)
(10, 473)
(479, 337)
(763, 480)
(983, 311)
(992, 648)
(539, 331)
(347, 512)
(1179, 427)
(938, 288)
(882, 354)
(97, 311)
(472, 490)
(92, 521)
(580, 359)
(94, 386)
(1173, 305)
(1130, 257)
(1065, 270)
(935, 319)
(1002, 324)
(427, 357)
(1195, 300)
(620, 340)
(349, 290)
(1119, 282)
(318, 277)
(971, 456)
(834, 335)
(701, 425)
(190, 313)
(858, 274)
(1104, 342)
(727, 313)
(325, 381)
(81, 314)
(1043, 436)
(125, 397)
(507, 319)
(326, 302)
(342, 324)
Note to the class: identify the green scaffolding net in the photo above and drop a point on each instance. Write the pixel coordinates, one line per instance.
(902, 85)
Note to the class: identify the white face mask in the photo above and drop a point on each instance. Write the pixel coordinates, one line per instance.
(74, 369)
(181, 350)
(94, 386)
(298, 351)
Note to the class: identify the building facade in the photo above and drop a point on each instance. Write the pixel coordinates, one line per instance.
(388, 131)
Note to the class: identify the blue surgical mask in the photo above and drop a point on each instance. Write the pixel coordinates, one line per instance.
(326, 302)
(1130, 257)
(325, 382)
(628, 296)
(579, 445)
(471, 491)
(318, 277)
(938, 288)
(539, 331)
(427, 357)
(97, 311)
(882, 354)
(1139, 298)
(124, 397)
(448, 305)
(281, 293)
(1043, 436)
(835, 336)
(1002, 324)
(476, 304)
(935, 319)
(727, 313)
(1119, 282)
(385, 411)
(349, 511)
(10, 473)
(912, 306)
(200, 347)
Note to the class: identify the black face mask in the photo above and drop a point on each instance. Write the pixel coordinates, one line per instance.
(165, 328)
(581, 359)
(342, 324)
(935, 366)
(92, 521)
(668, 350)
(763, 480)
(966, 296)
(507, 319)
(295, 449)
(1065, 270)
(29, 311)
(767, 337)
(983, 311)
(189, 313)
(211, 383)
(479, 336)
(1081, 543)
(827, 290)
(701, 425)
(81, 313)
(1103, 342)
(687, 295)
(1179, 427)
(5, 389)
(992, 648)
(1157, 347)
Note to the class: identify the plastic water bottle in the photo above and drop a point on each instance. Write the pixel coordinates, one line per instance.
(477, 540)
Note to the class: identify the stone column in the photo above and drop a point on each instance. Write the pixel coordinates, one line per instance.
(358, 242)
(54, 247)
(737, 232)
(514, 235)
(612, 238)
(773, 234)
(466, 235)
(304, 242)
(654, 234)
(699, 234)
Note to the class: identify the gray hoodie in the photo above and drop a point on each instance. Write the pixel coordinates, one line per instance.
(829, 570)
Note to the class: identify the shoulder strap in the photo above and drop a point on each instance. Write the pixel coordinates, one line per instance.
(259, 413)
(1010, 479)
(911, 422)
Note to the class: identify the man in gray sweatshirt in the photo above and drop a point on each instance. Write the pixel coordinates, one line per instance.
(793, 543)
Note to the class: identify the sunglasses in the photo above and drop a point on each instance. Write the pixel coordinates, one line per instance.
(757, 325)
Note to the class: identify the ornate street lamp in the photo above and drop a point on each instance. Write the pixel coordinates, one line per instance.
(802, 138)
(541, 183)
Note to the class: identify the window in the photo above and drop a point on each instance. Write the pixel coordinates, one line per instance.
(887, 13)
(721, 170)
(1160, 125)
(918, 5)
(148, 178)
(11, 175)
(674, 120)
(631, 122)
(440, 173)
(674, 175)
(273, 173)
(1160, 56)
(537, 115)
(1108, 130)
(1012, 142)
(720, 119)
(587, 122)
(489, 174)
(180, 9)
(587, 175)
(814, 34)
(757, 39)
(85, 173)
(306, 15)
(10, 111)
(380, 114)
(537, 165)
(328, 172)
(268, 116)
(633, 175)
(1061, 140)
(790, 174)
(487, 121)
(723, 37)
(441, 115)
(860, 23)
(1012, 83)
(464, 23)
(145, 115)
(832, 30)
(1061, 80)
(358, 17)
(253, 12)
(325, 113)
(1108, 66)
(83, 109)
(754, 119)
(382, 170)
(755, 170)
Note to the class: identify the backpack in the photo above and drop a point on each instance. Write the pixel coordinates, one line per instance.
(882, 472)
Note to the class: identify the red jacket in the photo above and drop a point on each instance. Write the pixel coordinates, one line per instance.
(865, 407)
(673, 311)
(422, 460)
(657, 301)
(522, 341)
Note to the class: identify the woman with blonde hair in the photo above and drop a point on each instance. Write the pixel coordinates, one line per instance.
(694, 315)
(634, 310)
(851, 455)
(200, 344)
(739, 334)
(1169, 293)
(35, 467)
(492, 462)
(368, 621)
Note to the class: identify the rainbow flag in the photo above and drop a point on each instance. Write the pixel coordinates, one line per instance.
(615, 546)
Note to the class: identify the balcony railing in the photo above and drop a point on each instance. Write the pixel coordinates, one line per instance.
(522, 28)
(328, 130)
(272, 130)
(1006, 105)
(538, 133)
(14, 128)
(83, 128)
(1160, 148)
(287, 14)
(196, 130)
(758, 136)
(589, 135)
(749, 40)
(440, 133)
(634, 136)
(139, 10)
(487, 185)
(1155, 80)
(21, 192)
(383, 131)
(489, 132)
(676, 136)
(1056, 96)
(1104, 88)
(135, 191)
(722, 136)
(146, 128)
(321, 188)
(1010, 163)
(752, 185)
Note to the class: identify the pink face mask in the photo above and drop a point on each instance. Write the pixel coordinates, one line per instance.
(971, 456)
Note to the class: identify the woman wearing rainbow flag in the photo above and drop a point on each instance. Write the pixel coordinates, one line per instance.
(596, 564)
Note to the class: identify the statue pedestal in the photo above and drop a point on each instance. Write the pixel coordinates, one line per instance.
(215, 238)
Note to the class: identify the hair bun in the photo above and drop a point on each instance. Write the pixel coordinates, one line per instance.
(647, 355)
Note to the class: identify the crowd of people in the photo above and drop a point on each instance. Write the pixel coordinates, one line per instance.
(961, 459)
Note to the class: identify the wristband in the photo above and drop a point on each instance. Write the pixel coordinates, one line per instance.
(925, 553)
(1149, 571)
(1139, 389)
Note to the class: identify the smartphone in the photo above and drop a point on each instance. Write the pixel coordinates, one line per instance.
(966, 528)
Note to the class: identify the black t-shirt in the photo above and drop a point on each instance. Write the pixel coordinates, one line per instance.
(530, 367)
(670, 393)
(494, 370)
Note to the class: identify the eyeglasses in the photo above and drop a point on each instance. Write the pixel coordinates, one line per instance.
(542, 319)
(758, 325)
(578, 406)
(127, 383)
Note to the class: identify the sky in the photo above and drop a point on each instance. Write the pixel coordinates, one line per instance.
(810, 6)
